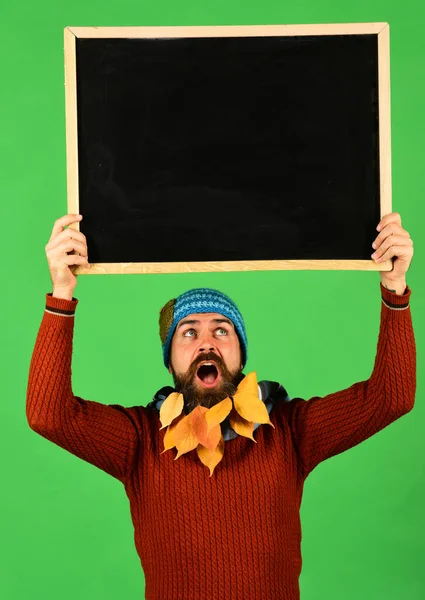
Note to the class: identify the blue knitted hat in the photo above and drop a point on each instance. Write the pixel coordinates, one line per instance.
(199, 300)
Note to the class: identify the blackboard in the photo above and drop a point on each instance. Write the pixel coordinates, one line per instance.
(206, 148)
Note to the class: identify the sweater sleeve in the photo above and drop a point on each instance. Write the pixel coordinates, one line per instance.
(103, 435)
(326, 426)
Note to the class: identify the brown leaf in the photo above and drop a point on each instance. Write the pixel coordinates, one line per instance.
(211, 459)
(171, 408)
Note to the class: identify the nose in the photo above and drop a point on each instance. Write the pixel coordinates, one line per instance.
(206, 344)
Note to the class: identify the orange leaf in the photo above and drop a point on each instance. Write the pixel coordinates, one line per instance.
(199, 424)
(211, 459)
(184, 439)
(191, 430)
(213, 438)
(252, 409)
(248, 404)
(241, 425)
(169, 441)
(171, 408)
(217, 413)
(248, 384)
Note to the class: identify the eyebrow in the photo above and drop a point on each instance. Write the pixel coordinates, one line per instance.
(195, 322)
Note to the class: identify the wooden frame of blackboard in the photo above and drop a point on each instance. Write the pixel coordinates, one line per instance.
(381, 30)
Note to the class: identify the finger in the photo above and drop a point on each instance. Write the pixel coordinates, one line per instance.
(391, 218)
(390, 230)
(68, 245)
(392, 240)
(74, 259)
(66, 234)
(69, 260)
(405, 252)
(63, 222)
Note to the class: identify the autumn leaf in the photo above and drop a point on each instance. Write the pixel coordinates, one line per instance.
(211, 459)
(201, 428)
(213, 438)
(241, 425)
(248, 404)
(248, 384)
(191, 431)
(186, 440)
(169, 441)
(171, 408)
(217, 413)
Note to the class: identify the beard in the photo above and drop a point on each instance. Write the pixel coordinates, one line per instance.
(193, 392)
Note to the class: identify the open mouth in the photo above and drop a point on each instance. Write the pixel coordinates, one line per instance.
(208, 374)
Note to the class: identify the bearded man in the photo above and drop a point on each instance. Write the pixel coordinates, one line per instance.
(219, 518)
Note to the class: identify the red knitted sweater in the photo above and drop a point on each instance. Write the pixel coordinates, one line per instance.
(245, 542)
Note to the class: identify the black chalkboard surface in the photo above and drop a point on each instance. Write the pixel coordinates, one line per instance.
(226, 148)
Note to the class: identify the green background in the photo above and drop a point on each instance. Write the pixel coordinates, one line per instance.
(65, 525)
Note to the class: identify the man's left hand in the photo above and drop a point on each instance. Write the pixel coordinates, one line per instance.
(393, 242)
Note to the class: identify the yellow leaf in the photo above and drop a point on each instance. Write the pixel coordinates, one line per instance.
(211, 459)
(184, 439)
(248, 384)
(171, 408)
(248, 404)
(241, 425)
(169, 441)
(191, 430)
(217, 413)
(251, 408)
(198, 423)
(213, 438)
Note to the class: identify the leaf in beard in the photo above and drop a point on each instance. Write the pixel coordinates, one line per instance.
(211, 459)
(247, 402)
(213, 438)
(241, 425)
(191, 431)
(169, 441)
(184, 439)
(170, 408)
(217, 413)
(252, 409)
(249, 384)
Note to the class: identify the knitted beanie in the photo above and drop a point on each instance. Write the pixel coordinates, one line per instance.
(199, 300)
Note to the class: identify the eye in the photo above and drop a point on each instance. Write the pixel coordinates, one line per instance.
(188, 331)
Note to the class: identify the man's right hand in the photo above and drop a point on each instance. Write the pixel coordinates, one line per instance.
(61, 242)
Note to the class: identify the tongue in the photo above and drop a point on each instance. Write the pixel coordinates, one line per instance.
(210, 378)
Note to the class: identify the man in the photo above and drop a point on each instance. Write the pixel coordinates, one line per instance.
(219, 518)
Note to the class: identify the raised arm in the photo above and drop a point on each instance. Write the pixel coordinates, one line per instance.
(325, 426)
(103, 435)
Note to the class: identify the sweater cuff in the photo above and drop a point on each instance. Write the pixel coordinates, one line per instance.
(60, 306)
(394, 301)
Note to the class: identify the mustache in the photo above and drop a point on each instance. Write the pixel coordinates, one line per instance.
(210, 356)
(193, 395)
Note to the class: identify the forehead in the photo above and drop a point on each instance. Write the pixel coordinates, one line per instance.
(204, 318)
